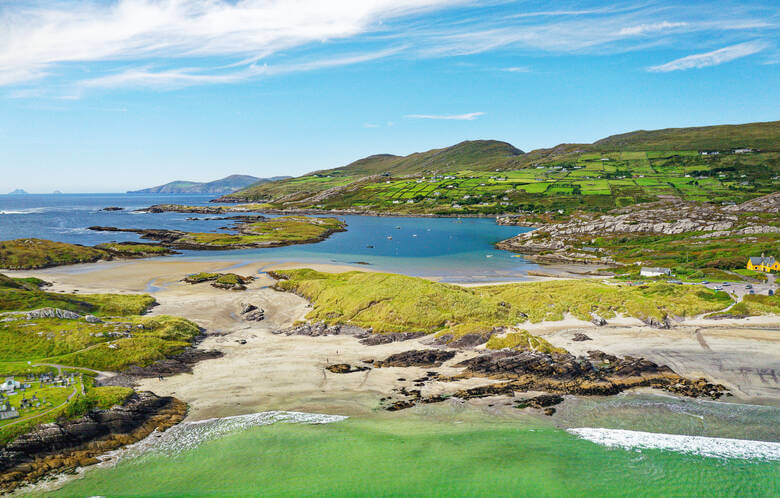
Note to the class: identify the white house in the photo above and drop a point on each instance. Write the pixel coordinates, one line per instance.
(10, 385)
(650, 271)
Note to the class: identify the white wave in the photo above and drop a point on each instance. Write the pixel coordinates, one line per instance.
(22, 211)
(695, 445)
(188, 435)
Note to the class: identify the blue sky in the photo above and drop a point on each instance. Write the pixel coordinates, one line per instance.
(104, 96)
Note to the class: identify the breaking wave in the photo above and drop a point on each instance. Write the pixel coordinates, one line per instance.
(188, 435)
(693, 445)
(22, 211)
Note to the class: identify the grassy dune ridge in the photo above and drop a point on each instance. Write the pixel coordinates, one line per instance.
(397, 303)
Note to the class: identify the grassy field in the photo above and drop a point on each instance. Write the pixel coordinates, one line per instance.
(397, 303)
(489, 177)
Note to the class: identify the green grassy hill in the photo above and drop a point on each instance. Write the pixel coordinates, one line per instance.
(762, 136)
(491, 177)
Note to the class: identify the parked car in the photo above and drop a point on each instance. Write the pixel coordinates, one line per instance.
(749, 286)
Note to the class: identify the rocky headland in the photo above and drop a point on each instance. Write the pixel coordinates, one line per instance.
(576, 241)
(66, 445)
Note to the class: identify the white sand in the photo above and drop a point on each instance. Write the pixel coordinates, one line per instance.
(287, 372)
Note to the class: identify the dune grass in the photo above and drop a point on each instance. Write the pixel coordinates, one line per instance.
(756, 305)
(397, 303)
(522, 340)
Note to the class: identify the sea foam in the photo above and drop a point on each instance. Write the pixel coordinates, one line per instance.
(188, 435)
(694, 445)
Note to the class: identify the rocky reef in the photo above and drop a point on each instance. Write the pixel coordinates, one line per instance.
(556, 374)
(65, 445)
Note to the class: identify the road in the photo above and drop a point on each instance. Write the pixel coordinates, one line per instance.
(32, 417)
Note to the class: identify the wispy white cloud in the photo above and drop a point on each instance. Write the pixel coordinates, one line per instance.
(169, 44)
(641, 29)
(517, 69)
(370, 125)
(713, 58)
(37, 37)
(179, 78)
(470, 116)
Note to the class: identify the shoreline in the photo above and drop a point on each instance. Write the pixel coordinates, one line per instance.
(261, 371)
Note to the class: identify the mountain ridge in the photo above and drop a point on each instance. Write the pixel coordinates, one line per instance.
(225, 185)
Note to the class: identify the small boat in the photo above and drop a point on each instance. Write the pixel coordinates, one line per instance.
(414, 235)
(369, 246)
(397, 228)
(389, 238)
(488, 255)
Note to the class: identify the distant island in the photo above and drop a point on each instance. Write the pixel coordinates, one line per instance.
(18, 192)
(225, 185)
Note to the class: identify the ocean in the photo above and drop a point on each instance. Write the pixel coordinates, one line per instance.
(450, 249)
(450, 449)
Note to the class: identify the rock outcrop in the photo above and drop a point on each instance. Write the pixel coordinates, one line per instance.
(59, 446)
(568, 242)
(417, 358)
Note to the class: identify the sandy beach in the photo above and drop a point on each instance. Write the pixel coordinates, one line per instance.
(271, 371)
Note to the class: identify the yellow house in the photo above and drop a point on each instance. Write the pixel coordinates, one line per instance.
(763, 263)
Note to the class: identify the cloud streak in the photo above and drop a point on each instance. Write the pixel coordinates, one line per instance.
(470, 116)
(168, 44)
(37, 37)
(714, 58)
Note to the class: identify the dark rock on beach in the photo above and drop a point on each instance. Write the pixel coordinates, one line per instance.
(180, 363)
(417, 358)
(579, 337)
(377, 339)
(345, 368)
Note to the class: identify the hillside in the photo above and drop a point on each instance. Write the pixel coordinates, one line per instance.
(223, 186)
(723, 164)
(761, 136)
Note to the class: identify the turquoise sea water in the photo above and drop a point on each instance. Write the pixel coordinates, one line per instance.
(451, 249)
(442, 450)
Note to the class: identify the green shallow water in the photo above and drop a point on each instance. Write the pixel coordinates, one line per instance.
(430, 454)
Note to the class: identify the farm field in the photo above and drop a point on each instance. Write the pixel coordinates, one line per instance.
(491, 177)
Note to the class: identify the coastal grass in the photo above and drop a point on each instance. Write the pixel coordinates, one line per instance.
(25, 254)
(692, 256)
(111, 346)
(134, 249)
(756, 305)
(522, 340)
(275, 231)
(25, 294)
(397, 303)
